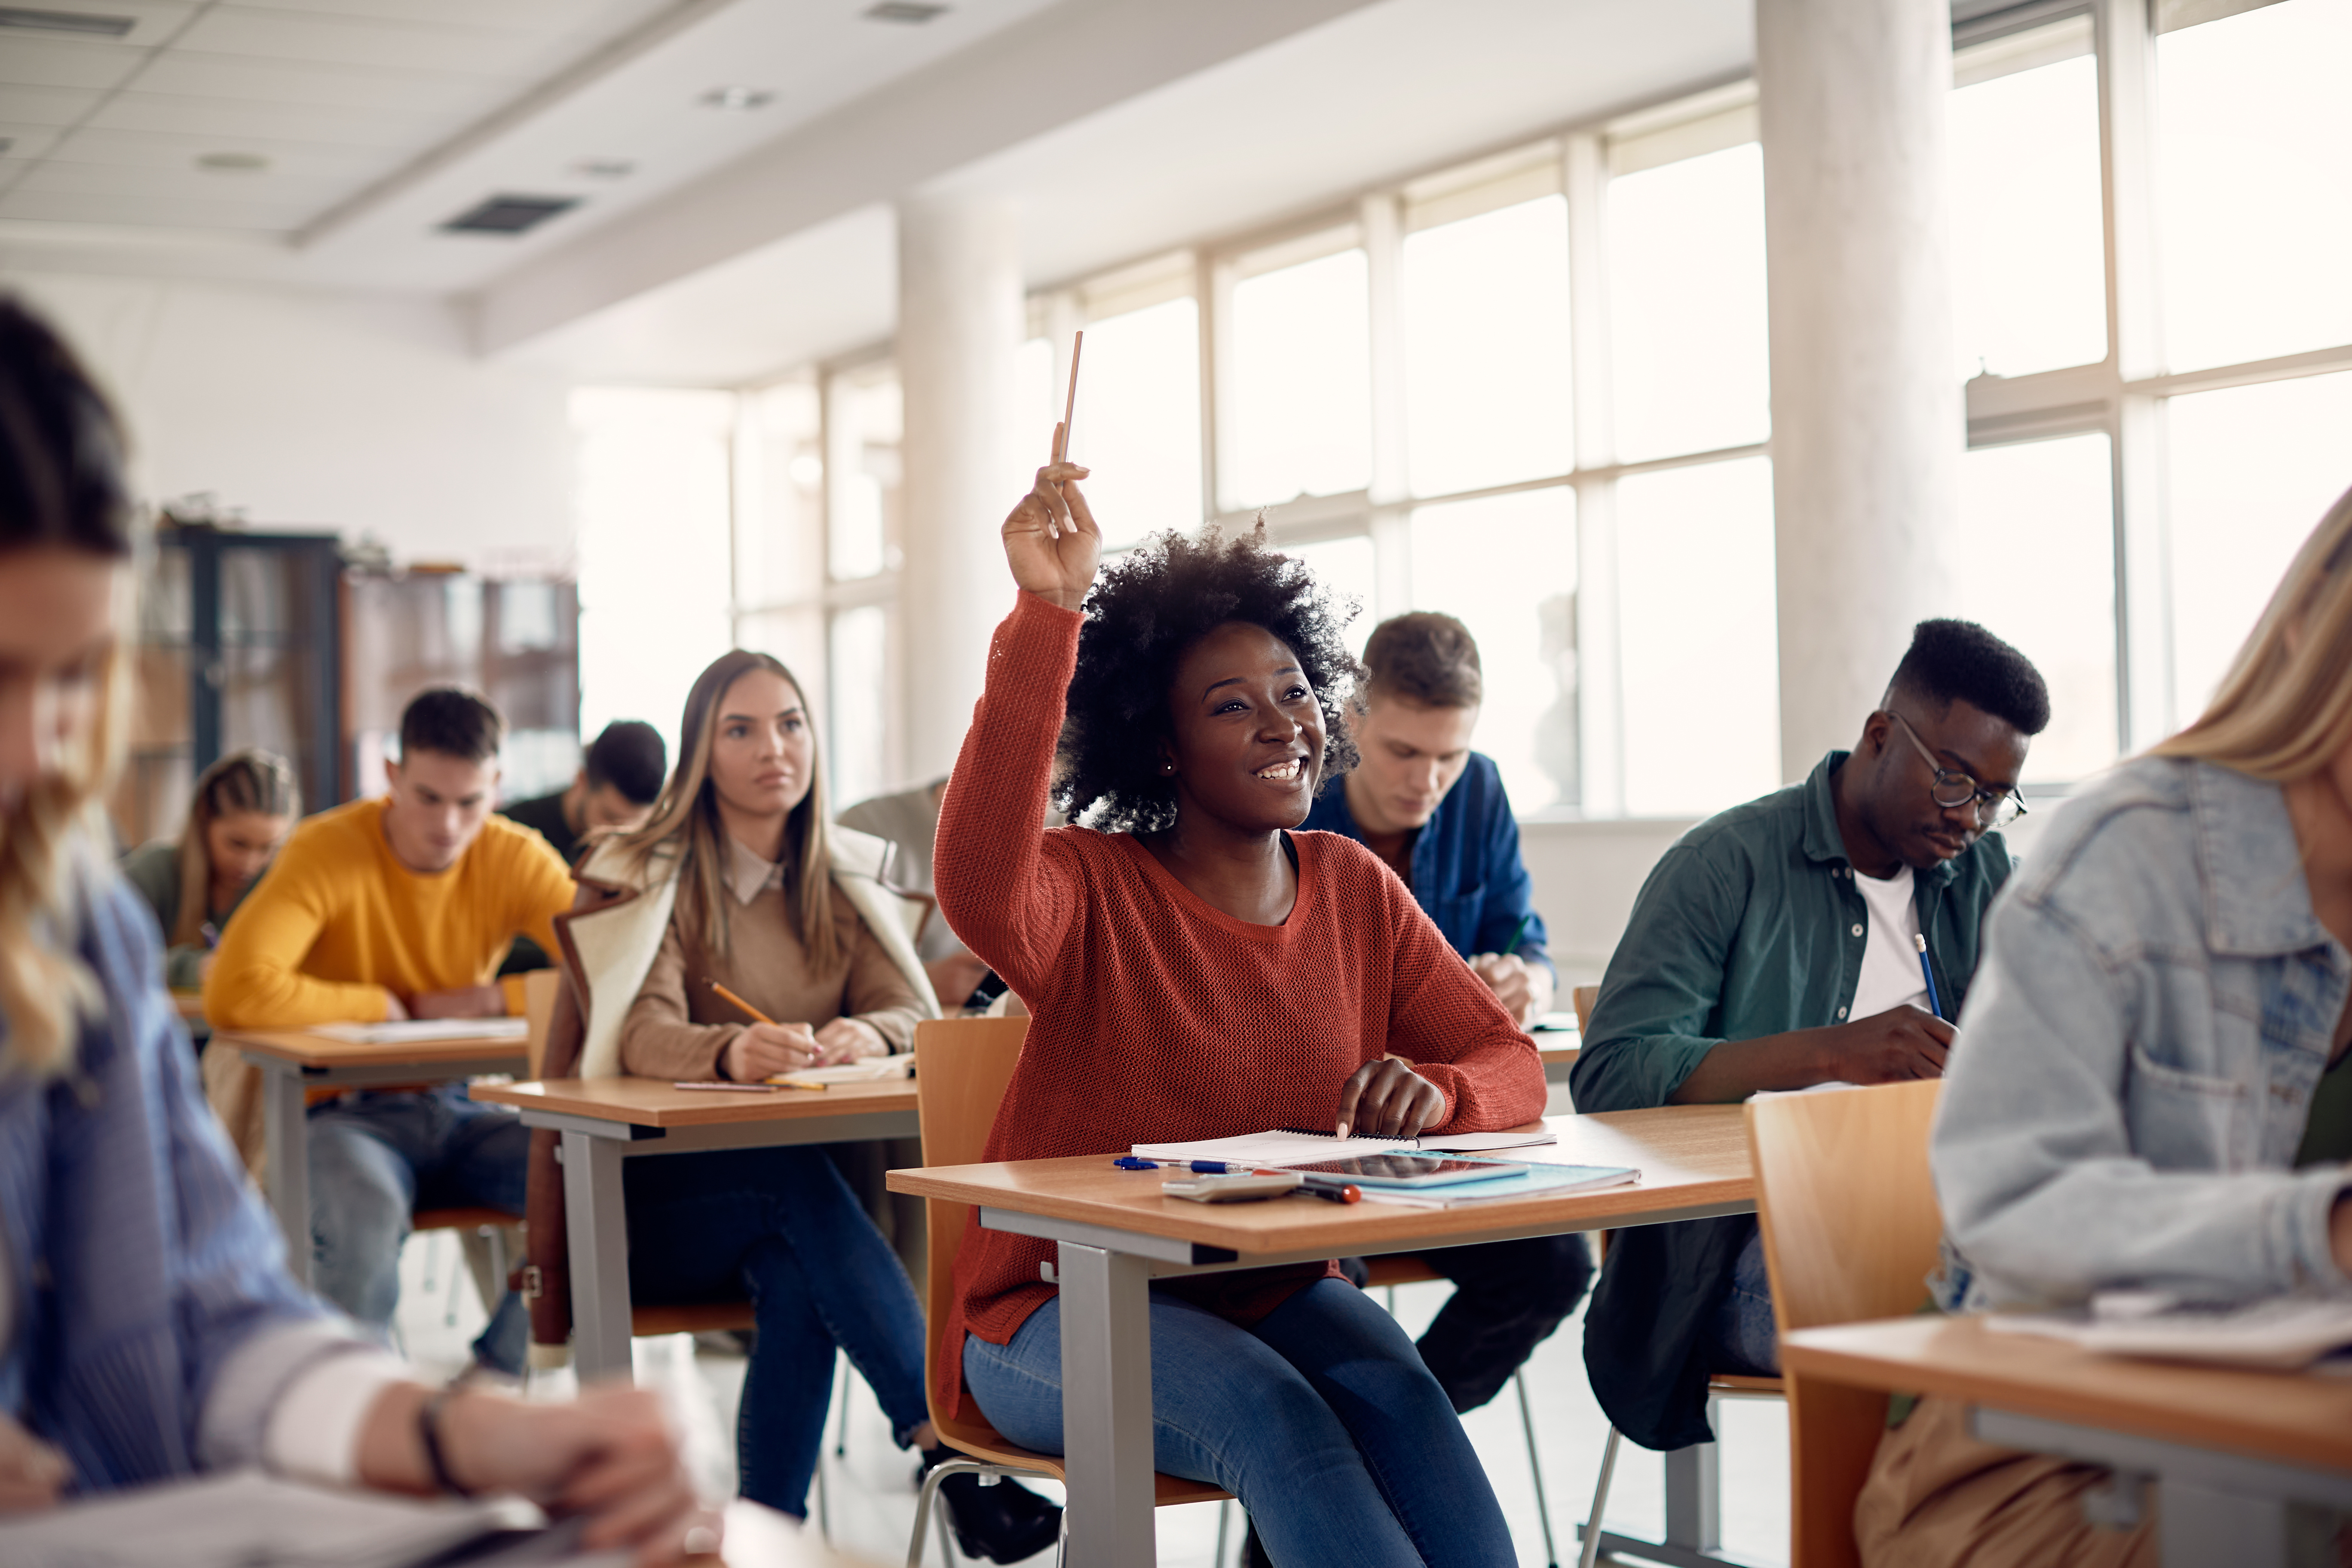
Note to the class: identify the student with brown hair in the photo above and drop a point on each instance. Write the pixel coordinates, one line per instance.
(738, 880)
(244, 807)
(1436, 813)
(149, 1330)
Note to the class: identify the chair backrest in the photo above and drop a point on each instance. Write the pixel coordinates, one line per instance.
(962, 1067)
(1582, 999)
(1851, 1227)
(539, 988)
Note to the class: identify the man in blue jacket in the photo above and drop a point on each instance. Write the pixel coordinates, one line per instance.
(1826, 933)
(1434, 809)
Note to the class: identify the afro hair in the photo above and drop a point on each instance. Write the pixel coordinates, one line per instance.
(1146, 609)
(1959, 661)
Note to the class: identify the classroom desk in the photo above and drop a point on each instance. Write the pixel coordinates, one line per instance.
(1557, 1059)
(295, 1061)
(2228, 1450)
(605, 1120)
(189, 1006)
(1116, 1234)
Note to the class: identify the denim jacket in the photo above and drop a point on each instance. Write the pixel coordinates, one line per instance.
(2136, 1064)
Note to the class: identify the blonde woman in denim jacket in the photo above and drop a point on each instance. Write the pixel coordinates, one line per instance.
(2150, 1087)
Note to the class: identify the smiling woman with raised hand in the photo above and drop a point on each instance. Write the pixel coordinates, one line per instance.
(1196, 968)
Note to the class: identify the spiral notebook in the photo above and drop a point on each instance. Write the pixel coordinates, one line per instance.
(1295, 1146)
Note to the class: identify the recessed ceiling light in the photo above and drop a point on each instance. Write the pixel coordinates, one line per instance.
(744, 98)
(232, 162)
(82, 22)
(509, 214)
(906, 13)
(604, 168)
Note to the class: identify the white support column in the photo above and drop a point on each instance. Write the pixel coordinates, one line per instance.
(1600, 687)
(960, 326)
(1867, 422)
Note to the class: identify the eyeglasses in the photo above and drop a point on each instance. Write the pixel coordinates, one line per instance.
(1994, 807)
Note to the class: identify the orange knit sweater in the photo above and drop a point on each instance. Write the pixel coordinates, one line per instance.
(1157, 1017)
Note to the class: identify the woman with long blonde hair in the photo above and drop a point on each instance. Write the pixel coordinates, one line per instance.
(148, 1329)
(244, 806)
(735, 936)
(2150, 1088)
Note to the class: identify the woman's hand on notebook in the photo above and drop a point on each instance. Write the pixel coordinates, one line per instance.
(1387, 1099)
(763, 1050)
(849, 1040)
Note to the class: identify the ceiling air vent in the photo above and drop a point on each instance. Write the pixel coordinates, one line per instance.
(87, 24)
(906, 13)
(510, 215)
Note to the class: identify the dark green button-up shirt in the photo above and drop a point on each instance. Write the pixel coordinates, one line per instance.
(1751, 925)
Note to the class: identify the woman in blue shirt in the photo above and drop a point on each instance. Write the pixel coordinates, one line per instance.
(148, 1327)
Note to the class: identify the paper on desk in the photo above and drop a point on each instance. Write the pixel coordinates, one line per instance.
(867, 1069)
(1283, 1147)
(2284, 1333)
(420, 1031)
(246, 1520)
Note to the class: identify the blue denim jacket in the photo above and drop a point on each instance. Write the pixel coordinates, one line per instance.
(1467, 875)
(2137, 1063)
(155, 1324)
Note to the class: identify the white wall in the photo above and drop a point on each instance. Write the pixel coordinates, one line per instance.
(350, 412)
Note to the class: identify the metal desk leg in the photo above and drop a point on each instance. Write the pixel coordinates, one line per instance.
(2205, 1524)
(1695, 1498)
(286, 1127)
(1106, 1406)
(596, 1223)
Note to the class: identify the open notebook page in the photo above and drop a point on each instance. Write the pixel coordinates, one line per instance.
(1281, 1146)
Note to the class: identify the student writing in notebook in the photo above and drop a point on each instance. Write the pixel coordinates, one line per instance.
(1196, 968)
(1778, 945)
(243, 807)
(737, 881)
(2149, 1090)
(149, 1330)
(389, 908)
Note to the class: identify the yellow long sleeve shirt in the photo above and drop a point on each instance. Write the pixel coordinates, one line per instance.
(338, 920)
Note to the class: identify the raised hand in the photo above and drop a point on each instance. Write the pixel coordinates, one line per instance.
(1050, 538)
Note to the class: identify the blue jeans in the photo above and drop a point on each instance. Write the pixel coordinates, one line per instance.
(1744, 1341)
(782, 1225)
(375, 1158)
(1321, 1419)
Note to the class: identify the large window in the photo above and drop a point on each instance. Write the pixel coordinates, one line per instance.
(1301, 380)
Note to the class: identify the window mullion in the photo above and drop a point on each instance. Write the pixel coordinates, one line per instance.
(1600, 687)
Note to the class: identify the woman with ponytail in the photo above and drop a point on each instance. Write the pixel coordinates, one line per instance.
(245, 806)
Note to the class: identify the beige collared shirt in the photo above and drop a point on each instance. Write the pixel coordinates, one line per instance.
(748, 872)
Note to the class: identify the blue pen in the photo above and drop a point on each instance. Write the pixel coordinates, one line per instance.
(1927, 972)
(1198, 1167)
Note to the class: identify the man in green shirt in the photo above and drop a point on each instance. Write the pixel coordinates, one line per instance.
(1780, 945)
(614, 788)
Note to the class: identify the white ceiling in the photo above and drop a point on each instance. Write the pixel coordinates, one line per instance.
(741, 243)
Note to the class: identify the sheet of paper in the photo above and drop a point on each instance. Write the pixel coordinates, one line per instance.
(1273, 1148)
(419, 1031)
(1480, 1142)
(868, 1069)
(1534, 1182)
(245, 1520)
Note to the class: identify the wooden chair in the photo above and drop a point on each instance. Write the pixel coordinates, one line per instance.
(1582, 999)
(962, 1067)
(1851, 1232)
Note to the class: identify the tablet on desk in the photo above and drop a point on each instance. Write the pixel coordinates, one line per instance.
(1409, 1170)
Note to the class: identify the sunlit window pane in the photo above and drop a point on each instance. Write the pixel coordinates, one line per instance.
(1687, 305)
(1507, 567)
(869, 415)
(2029, 258)
(2034, 563)
(859, 669)
(2252, 469)
(2254, 197)
(1301, 383)
(1137, 424)
(1485, 303)
(1034, 412)
(654, 521)
(780, 499)
(1701, 638)
(1348, 568)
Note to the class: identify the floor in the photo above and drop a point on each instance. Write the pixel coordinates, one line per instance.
(870, 1494)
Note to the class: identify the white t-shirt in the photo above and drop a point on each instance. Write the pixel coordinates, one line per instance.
(1890, 960)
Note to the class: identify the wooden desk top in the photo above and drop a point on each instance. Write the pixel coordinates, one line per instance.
(2290, 1416)
(315, 1050)
(1555, 1055)
(652, 1102)
(1688, 1154)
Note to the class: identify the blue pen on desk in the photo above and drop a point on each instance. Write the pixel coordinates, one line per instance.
(1928, 973)
(1198, 1167)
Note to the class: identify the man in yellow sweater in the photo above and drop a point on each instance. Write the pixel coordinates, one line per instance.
(400, 908)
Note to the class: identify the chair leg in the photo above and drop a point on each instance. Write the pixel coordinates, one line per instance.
(1225, 1519)
(925, 1496)
(496, 1236)
(457, 1273)
(1534, 1468)
(824, 1504)
(841, 1431)
(946, 1547)
(1591, 1552)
